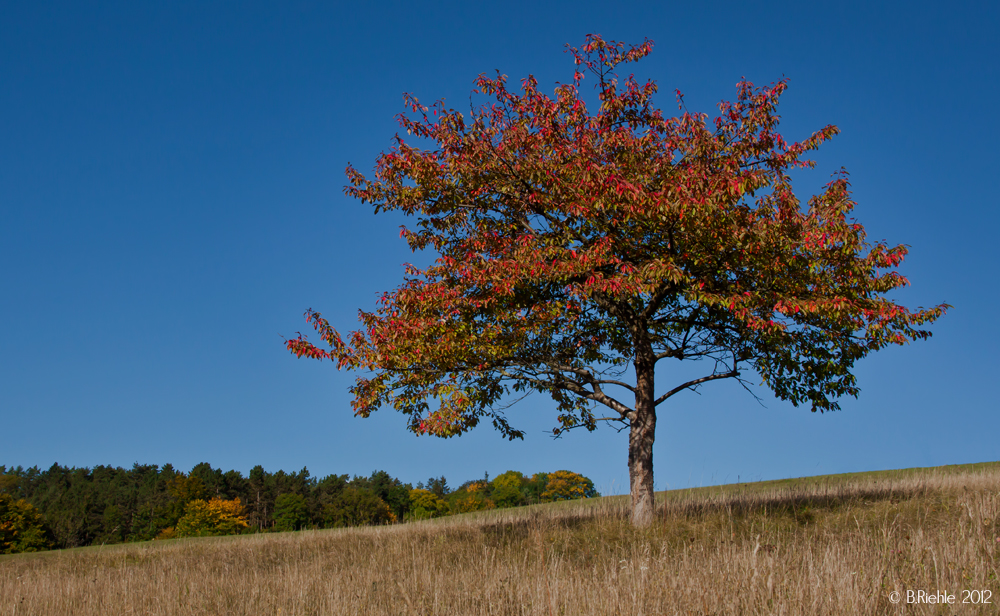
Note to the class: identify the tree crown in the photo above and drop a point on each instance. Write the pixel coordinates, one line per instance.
(572, 244)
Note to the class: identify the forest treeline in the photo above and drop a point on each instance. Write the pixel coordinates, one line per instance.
(65, 507)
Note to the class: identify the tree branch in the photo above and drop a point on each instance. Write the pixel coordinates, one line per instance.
(587, 376)
(574, 387)
(696, 382)
(558, 432)
(657, 299)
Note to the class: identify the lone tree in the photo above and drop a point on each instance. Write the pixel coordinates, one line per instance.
(578, 251)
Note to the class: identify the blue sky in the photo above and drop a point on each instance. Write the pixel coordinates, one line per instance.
(171, 202)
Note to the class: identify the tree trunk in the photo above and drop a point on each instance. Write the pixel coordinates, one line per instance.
(640, 446)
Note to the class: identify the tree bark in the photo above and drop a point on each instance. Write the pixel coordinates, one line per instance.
(640, 445)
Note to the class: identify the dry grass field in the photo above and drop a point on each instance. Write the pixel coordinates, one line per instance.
(829, 545)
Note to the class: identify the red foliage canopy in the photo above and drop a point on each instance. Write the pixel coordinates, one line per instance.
(574, 245)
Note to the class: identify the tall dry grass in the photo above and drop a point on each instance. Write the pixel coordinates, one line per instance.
(812, 548)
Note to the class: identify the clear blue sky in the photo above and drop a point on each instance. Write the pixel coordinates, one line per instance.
(170, 204)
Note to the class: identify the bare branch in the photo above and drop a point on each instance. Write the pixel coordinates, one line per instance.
(558, 432)
(631, 388)
(696, 382)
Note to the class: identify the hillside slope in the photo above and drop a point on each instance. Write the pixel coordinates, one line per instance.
(841, 544)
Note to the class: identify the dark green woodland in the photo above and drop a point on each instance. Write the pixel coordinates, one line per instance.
(66, 507)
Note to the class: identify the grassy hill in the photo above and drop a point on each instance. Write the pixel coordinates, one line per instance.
(835, 544)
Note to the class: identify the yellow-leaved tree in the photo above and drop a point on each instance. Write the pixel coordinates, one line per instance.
(507, 489)
(567, 485)
(21, 527)
(425, 504)
(212, 518)
(469, 501)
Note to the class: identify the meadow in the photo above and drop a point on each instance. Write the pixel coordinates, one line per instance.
(840, 544)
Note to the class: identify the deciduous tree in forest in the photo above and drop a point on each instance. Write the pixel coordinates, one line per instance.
(21, 527)
(354, 506)
(426, 504)
(507, 489)
(579, 251)
(567, 485)
(212, 518)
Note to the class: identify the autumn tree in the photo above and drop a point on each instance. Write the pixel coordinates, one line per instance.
(567, 485)
(426, 504)
(507, 489)
(211, 518)
(22, 528)
(578, 251)
(467, 501)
